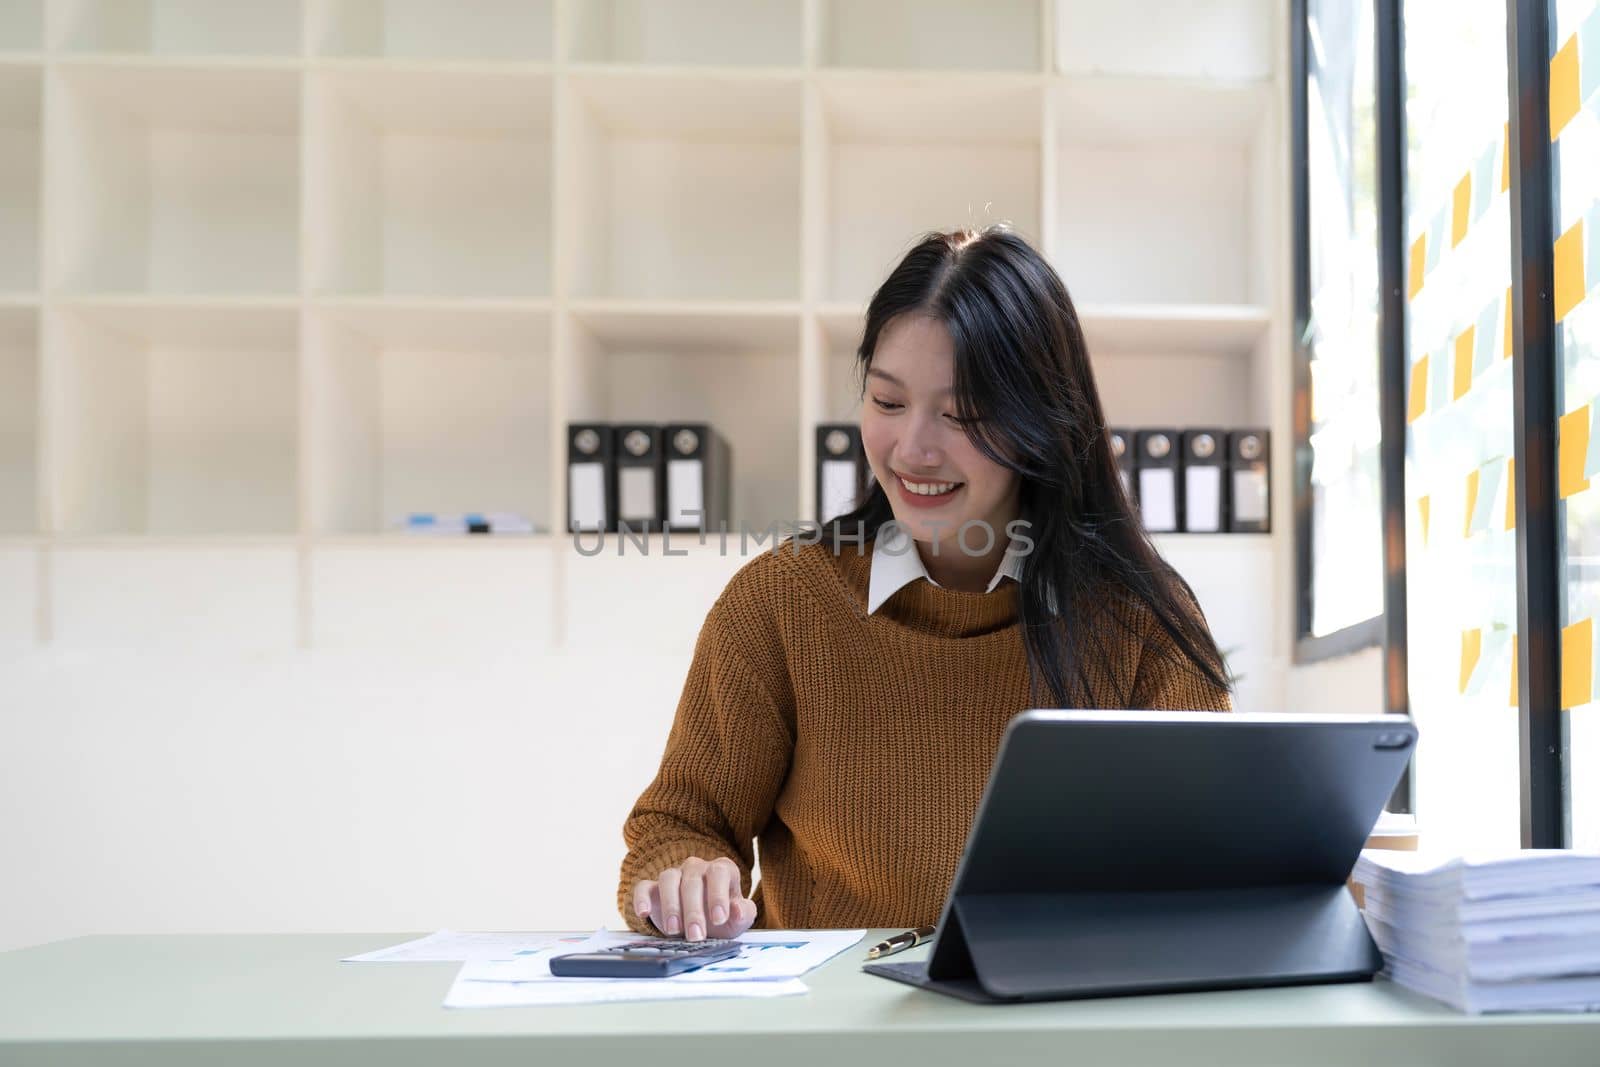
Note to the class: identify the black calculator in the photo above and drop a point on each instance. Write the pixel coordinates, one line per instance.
(655, 957)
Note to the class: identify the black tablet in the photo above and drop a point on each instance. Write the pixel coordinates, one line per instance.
(1145, 852)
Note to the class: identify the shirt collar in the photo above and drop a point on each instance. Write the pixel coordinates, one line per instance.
(896, 563)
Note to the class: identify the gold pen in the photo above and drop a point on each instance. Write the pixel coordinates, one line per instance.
(900, 942)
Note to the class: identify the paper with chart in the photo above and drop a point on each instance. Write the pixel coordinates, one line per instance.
(451, 946)
(767, 955)
(769, 966)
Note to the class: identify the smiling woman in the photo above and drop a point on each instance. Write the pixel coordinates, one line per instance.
(996, 566)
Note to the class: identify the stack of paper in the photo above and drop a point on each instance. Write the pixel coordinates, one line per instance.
(1513, 931)
(508, 970)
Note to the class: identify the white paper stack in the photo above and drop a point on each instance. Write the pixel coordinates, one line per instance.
(1510, 931)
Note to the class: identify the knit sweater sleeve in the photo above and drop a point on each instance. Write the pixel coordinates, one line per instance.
(1167, 680)
(726, 757)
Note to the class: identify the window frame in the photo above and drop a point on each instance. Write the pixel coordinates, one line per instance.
(1368, 633)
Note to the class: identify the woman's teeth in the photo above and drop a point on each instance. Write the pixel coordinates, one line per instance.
(929, 488)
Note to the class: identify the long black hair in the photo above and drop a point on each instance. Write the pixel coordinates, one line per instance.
(1024, 388)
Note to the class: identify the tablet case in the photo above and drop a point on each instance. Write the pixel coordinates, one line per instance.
(1215, 857)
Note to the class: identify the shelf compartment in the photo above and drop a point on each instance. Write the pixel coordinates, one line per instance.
(429, 184)
(908, 156)
(684, 187)
(842, 326)
(758, 33)
(488, 30)
(174, 419)
(933, 34)
(1223, 39)
(21, 26)
(1195, 389)
(175, 181)
(179, 27)
(417, 409)
(19, 178)
(738, 372)
(1147, 328)
(1174, 162)
(19, 421)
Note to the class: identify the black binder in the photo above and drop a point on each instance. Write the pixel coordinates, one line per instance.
(641, 492)
(842, 471)
(1250, 481)
(1160, 490)
(1122, 452)
(1205, 483)
(1110, 857)
(698, 473)
(591, 478)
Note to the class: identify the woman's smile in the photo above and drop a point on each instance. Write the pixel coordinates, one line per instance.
(925, 493)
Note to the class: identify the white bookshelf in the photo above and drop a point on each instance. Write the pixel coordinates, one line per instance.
(428, 183)
(467, 31)
(176, 27)
(21, 26)
(274, 275)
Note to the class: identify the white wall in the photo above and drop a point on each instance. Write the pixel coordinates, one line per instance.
(1349, 685)
(172, 791)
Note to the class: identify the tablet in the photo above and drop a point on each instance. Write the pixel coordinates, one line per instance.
(1119, 852)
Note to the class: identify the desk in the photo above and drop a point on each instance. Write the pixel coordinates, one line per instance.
(247, 1000)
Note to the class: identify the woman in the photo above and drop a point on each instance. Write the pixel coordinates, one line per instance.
(847, 697)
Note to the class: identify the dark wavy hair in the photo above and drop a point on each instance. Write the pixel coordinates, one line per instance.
(1023, 382)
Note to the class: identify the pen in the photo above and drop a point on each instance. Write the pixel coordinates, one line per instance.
(900, 942)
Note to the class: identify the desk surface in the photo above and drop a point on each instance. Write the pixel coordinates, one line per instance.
(257, 999)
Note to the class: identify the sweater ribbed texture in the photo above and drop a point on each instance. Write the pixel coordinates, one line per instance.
(855, 747)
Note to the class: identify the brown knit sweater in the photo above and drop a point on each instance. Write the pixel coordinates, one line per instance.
(854, 748)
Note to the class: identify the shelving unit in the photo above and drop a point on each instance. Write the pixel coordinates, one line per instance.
(932, 34)
(429, 184)
(19, 421)
(470, 31)
(173, 418)
(179, 180)
(273, 275)
(715, 33)
(177, 27)
(22, 26)
(956, 150)
(734, 367)
(19, 177)
(418, 408)
(682, 186)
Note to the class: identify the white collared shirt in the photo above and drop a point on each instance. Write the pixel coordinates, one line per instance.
(896, 563)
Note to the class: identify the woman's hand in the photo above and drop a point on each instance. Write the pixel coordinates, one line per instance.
(698, 898)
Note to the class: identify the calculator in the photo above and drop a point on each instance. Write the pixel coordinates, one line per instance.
(655, 957)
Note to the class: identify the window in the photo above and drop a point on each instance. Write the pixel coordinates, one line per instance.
(1461, 584)
(1341, 580)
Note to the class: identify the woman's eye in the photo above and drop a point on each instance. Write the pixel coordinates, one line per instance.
(885, 405)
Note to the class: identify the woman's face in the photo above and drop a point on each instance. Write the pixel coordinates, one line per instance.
(934, 475)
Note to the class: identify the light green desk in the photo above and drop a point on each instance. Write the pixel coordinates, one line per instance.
(243, 1000)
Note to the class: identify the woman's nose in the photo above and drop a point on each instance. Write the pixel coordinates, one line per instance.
(920, 447)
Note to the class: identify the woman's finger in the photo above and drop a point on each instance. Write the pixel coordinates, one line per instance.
(692, 893)
(641, 897)
(717, 891)
(671, 919)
